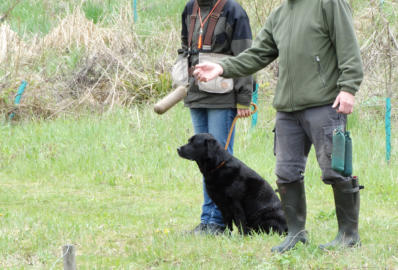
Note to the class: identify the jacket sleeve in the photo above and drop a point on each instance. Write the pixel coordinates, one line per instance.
(184, 29)
(241, 40)
(261, 54)
(339, 21)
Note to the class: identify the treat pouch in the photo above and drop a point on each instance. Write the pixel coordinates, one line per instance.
(179, 72)
(219, 85)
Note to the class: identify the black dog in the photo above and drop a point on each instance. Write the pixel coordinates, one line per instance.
(240, 193)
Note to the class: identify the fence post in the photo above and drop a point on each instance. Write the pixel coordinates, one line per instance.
(69, 257)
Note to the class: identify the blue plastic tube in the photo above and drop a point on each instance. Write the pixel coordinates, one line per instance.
(388, 129)
(18, 96)
(254, 100)
(135, 10)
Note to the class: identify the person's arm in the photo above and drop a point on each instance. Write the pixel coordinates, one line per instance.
(242, 40)
(262, 53)
(184, 30)
(342, 34)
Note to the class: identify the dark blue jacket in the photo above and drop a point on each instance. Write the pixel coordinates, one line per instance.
(232, 35)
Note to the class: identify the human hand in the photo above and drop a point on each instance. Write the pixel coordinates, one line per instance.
(207, 71)
(242, 113)
(344, 103)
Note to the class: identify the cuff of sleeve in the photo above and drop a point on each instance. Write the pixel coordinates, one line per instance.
(241, 106)
(225, 72)
(348, 90)
(243, 100)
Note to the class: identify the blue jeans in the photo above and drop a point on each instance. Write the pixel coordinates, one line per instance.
(216, 122)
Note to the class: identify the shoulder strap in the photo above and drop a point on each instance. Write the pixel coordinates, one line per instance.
(192, 23)
(212, 24)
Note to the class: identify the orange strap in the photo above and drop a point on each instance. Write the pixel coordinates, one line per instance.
(202, 24)
(233, 125)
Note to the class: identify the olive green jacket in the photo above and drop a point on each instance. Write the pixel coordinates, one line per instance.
(317, 49)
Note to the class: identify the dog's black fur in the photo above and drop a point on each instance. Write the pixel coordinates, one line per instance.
(242, 195)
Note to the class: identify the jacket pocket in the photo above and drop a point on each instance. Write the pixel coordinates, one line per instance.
(320, 71)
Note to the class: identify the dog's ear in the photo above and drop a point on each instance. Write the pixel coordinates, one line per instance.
(210, 142)
(211, 146)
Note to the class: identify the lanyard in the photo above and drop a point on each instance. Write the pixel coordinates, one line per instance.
(202, 23)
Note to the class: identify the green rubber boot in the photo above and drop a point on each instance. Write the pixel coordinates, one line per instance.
(346, 198)
(294, 206)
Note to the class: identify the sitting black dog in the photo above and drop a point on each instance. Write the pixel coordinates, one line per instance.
(240, 193)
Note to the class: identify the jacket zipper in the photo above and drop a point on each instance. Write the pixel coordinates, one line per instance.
(288, 54)
(318, 60)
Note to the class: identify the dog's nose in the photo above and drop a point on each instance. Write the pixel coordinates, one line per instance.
(178, 150)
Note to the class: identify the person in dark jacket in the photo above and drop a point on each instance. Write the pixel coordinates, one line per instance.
(213, 112)
(320, 70)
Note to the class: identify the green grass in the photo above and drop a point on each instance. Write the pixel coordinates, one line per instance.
(32, 17)
(114, 186)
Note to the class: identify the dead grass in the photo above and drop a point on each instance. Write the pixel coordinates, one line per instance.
(117, 66)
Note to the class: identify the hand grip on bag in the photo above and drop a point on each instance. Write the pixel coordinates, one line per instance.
(170, 100)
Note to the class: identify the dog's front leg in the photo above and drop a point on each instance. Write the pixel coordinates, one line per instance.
(228, 222)
(227, 215)
(240, 218)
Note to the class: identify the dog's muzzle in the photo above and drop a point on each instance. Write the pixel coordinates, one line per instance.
(179, 151)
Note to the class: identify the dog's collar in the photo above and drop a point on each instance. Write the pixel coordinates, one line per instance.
(218, 167)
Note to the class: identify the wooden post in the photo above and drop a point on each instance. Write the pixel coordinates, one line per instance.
(68, 252)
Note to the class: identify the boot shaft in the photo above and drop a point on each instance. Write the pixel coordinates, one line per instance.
(346, 198)
(294, 204)
(347, 202)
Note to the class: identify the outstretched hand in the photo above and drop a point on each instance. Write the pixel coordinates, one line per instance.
(207, 71)
(344, 103)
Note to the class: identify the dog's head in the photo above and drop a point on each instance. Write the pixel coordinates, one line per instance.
(200, 147)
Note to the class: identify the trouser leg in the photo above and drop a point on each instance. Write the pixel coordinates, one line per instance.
(216, 122)
(219, 124)
(292, 146)
(320, 123)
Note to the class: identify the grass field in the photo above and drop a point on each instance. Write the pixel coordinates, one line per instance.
(111, 183)
(114, 186)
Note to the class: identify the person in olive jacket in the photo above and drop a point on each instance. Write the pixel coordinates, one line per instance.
(320, 70)
(213, 112)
